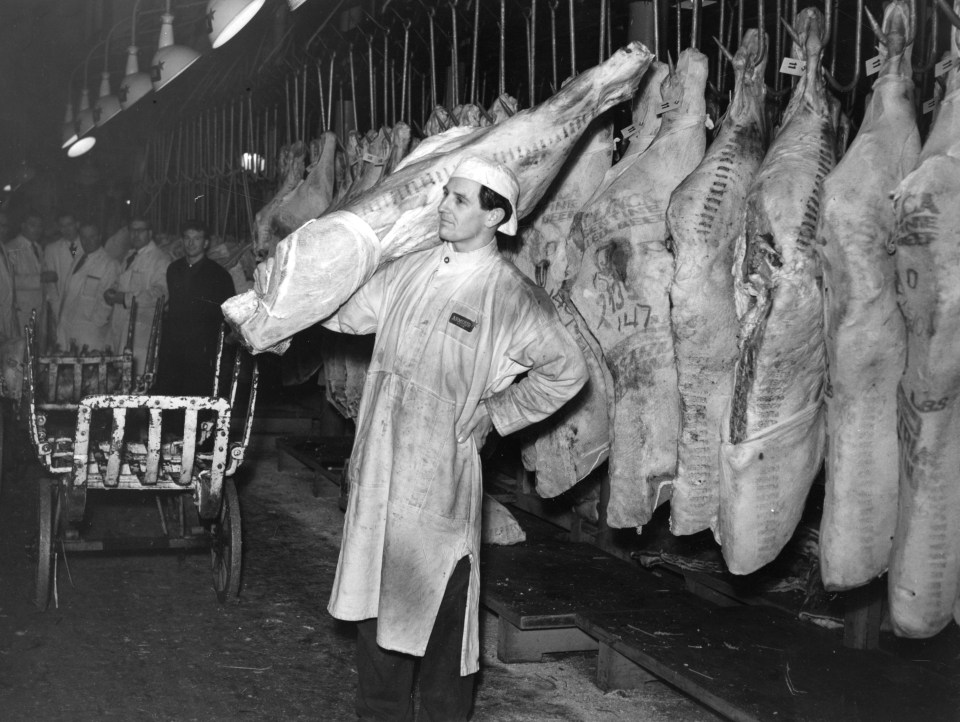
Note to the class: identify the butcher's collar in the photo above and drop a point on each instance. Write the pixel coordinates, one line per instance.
(452, 260)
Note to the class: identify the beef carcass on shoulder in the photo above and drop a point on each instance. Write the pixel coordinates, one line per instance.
(321, 264)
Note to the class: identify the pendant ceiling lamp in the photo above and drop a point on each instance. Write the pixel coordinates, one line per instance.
(170, 60)
(84, 125)
(294, 4)
(135, 84)
(225, 18)
(108, 104)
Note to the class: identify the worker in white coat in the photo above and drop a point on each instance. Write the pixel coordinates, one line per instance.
(59, 256)
(143, 277)
(454, 326)
(84, 315)
(26, 261)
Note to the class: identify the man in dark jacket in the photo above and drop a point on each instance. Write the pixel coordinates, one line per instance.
(188, 344)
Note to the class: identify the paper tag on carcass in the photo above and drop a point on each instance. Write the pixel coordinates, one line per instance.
(943, 67)
(792, 66)
(873, 65)
(372, 159)
(630, 131)
(669, 105)
(929, 105)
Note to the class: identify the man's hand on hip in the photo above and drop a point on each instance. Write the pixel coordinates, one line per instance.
(479, 424)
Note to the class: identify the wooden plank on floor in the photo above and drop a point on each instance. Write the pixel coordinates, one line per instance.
(541, 585)
(529, 645)
(757, 663)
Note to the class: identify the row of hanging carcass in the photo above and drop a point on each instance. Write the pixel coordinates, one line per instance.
(748, 310)
(756, 310)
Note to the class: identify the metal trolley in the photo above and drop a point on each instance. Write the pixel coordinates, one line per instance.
(177, 446)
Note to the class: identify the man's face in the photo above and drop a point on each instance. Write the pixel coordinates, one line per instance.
(68, 227)
(461, 217)
(194, 245)
(32, 228)
(139, 234)
(89, 238)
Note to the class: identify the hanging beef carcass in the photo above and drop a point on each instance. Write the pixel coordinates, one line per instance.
(864, 331)
(290, 164)
(704, 219)
(569, 444)
(399, 146)
(773, 447)
(374, 155)
(320, 265)
(621, 292)
(925, 564)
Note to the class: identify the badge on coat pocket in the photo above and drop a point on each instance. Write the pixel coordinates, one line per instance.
(462, 323)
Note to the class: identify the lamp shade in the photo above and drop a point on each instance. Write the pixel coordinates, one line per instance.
(134, 84)
(69, 129)
(84, 124)
(170, 60)
(225, 18)
(294, 4)
(107, 105)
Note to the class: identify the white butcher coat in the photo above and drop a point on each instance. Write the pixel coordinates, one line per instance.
(146, 280)
(452, 329)
(59, 257)
(26, 262)
(84, 315)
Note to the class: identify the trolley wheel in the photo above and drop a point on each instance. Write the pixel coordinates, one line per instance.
(227, 547)
(45, 548)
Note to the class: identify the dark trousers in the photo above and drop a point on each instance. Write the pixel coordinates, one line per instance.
(385, 690)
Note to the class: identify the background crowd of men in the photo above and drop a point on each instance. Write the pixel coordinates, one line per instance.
(84, 291)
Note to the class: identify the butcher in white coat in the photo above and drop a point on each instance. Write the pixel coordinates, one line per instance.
(143, 276)
(455, 324)
(84, 314)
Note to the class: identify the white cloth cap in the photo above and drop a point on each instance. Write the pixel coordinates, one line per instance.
(497, 177)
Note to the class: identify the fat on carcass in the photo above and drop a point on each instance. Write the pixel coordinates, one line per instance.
(924, 576)
(773, 434)
(571, 443)
(704, 219)
(320, 265)
(621, 292)
(864, 331)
